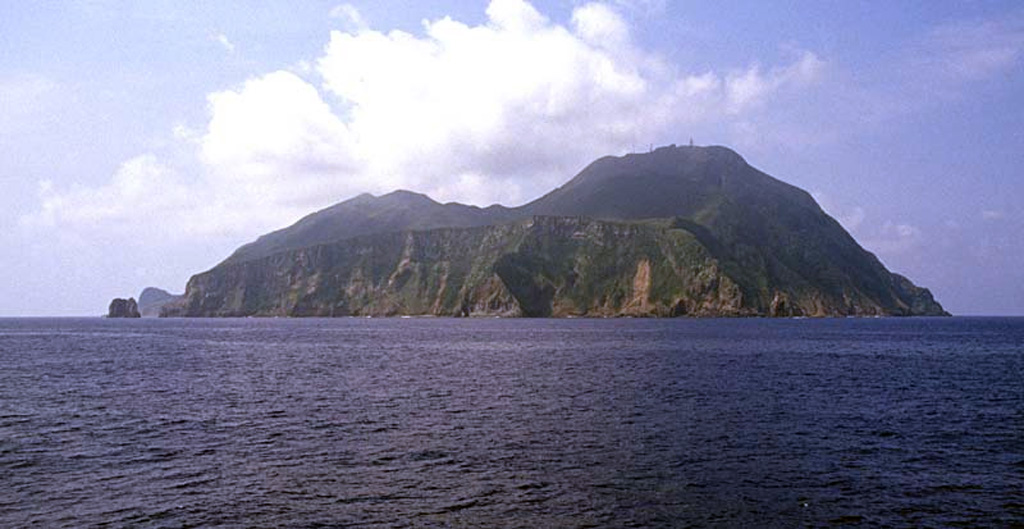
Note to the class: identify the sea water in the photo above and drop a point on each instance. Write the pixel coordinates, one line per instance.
(511, 423)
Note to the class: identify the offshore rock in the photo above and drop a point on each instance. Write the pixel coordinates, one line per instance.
(123, 308)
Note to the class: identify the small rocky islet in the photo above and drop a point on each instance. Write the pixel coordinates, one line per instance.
(123, 308)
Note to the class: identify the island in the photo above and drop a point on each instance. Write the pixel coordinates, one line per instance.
(678, 231)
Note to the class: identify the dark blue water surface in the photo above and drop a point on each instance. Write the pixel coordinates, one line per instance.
(512, 423)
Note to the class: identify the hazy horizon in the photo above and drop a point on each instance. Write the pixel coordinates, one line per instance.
(144, 143)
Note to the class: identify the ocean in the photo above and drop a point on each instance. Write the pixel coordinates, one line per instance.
(512, 423)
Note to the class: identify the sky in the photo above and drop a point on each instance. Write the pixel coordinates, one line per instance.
(141, 142)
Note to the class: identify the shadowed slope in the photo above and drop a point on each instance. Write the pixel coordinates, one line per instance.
(367, 214)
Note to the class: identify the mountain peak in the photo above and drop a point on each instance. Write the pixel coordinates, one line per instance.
(683, 154)
(366, 214)
(403, 196)
(665, 182)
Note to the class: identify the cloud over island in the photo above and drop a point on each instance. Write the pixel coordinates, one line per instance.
(495, 112)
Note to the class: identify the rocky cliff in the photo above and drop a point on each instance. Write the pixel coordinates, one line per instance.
(680, 231)
(546, 266)
(123, 308)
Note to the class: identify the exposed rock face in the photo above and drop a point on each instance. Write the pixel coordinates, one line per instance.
(680, 231)
(123, 308)
(547, 266)
(151, 300)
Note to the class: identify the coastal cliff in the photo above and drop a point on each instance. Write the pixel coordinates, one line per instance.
(547, 266)
(544, 267)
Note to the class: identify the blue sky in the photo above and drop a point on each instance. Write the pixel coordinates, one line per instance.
(142, 142)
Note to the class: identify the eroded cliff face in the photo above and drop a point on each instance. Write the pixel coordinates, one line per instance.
(542, 267)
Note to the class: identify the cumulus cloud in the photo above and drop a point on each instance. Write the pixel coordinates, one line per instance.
(600, 25)
(500, 111)
(513, 100)
(140, 185)
(275, 139)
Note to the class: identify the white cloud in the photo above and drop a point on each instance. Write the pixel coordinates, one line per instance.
(992, 214)
(600, 25)
(184, 133)
(275, 139)
(515, 16)
(140, 186)
(509, 101)
(350, 17)
(222, 39)
(496, 112)
(752, 87)
(147, 199)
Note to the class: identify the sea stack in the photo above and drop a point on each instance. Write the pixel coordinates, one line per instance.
(123, 308)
